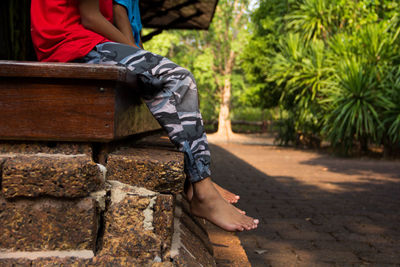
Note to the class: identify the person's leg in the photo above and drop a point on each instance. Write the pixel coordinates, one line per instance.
(113, 58)
(227, 195)
(176, 109)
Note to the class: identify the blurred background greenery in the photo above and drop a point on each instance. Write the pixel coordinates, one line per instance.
(319, 71)
(312, 71)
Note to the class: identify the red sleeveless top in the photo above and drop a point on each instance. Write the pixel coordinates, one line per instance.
(57, 32)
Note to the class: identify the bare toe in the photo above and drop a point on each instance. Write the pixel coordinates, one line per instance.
(208, 203)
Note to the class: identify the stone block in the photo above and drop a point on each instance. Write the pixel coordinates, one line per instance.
(197, 231)
(129, 230)
(164, 220)
(15, 147)
(109, 261)
(15, 262)
(2, 160)
(51, 175)
(57, 262)
(184, 258)
(158, 170)
(188, 250)
(190, 243)
(156, 140)
(104, 261)
(48, 224)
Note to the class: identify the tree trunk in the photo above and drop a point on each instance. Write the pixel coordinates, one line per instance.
(226, 68)
(224, 120)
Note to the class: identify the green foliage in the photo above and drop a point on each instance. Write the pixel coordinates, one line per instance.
(315, 19)
(354, 101)
(391, 88)
(332, 68)
(207, 53)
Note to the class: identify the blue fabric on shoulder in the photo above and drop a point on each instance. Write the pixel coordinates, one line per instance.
(132, 6)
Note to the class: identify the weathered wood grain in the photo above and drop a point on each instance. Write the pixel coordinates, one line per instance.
(69, 102)
(62, 70)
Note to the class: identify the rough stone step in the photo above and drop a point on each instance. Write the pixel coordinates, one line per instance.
(80, 262)
(129, 229)
(190, 243)
(158, 170)
(48, 224)
(56, 175)
(141, 228)
(26, 147)
(144, 224)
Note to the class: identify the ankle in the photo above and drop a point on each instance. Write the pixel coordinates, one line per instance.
(203, 190)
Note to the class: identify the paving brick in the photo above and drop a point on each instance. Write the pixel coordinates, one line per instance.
(305, 235)
(354, 246)
(290, 224)
(364, 228)
(48, 224)
(280, 259)
(326, 256)
(255, 241)
(387, 257)
(340, 209)
(50, 175)
(373, 239)
(158, 170)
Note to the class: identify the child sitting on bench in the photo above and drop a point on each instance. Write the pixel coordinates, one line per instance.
(70, 30)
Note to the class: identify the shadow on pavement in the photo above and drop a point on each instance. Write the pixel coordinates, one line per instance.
(356, 166)
(303, 224)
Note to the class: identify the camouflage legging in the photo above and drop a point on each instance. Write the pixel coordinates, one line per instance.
(175, 107)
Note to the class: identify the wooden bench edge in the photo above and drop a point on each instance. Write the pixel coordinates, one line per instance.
(9, 68)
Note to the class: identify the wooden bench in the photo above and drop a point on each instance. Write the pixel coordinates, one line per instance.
(69, 102)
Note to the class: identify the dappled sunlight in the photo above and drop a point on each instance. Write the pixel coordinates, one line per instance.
(312, 168)
(251, 139)
(334, 212)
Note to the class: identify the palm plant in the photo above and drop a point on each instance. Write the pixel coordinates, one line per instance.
(391, 121)
(315, 19)
(354, 100)
(301, 70)
(375, 42)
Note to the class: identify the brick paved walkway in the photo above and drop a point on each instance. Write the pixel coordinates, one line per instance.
(315, 210)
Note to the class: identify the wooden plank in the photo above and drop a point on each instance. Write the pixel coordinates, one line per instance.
(70, 102)
(56, 109)
(62, 70)
(131, 114)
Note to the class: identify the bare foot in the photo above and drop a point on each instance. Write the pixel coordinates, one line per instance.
(208, 203)
(227, 195)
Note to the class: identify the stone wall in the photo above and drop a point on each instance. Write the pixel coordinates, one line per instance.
(60, 208)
